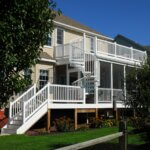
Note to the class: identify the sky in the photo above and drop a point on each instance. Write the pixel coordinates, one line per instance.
(130, 18)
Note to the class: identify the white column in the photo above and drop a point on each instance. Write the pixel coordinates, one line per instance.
(111, 73)
(124, 71)
(84, 41)
(95, 45)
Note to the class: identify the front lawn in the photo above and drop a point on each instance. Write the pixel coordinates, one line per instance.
(51, 141)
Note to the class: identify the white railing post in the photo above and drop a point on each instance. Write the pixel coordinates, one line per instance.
(23, 112)
(48, 91)
(10, 110)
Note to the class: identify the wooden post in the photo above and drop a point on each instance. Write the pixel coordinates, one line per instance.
(75, 119)
(123, 140)
(48, 120)
(96, 113)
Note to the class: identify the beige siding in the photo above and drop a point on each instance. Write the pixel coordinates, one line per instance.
(44, 66)
(69, 36)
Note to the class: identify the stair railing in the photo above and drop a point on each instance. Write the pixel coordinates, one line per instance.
(16, 106)
(35, 102)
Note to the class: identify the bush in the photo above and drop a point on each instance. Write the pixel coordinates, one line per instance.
(64, 124)
(107, 123)
(95, 122)
(99, 123)
(136, 122)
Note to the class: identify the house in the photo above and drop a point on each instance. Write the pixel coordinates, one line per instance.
(80, 71)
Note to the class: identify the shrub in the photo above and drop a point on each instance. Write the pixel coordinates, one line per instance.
(136, 122)
(107, 123)
(95, 122)
(64, 124)
(83, 128)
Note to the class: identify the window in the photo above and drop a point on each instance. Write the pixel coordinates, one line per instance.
(27, 74)
(49, 40)
(43, 78)
(60, 36)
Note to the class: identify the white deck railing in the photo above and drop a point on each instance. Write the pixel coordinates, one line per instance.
(108, 94)
(66, 93)
(118, 94)
(54, 94)
(119, 51)
(17, 105)
(104, 95)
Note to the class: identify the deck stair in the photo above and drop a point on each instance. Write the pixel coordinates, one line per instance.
(27, 109)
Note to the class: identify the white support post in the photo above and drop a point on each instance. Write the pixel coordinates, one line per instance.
(84, 41)
(10, 110)
(111, 73)
(48, 90)
(95, 45)
(125, 92)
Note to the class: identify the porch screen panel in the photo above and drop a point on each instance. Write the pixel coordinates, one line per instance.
(118, 76)
(105, 75)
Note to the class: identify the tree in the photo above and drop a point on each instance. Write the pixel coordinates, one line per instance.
(138, 89)
(24, 26)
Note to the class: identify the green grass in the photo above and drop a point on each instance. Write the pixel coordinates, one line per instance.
(52, 141)
(135, 142)
(48, 142)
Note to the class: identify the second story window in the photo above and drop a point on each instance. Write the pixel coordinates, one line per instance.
(60, 36)
(49, 40)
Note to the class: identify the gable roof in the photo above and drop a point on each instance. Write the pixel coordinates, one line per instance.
(120, 39)
(68, 21)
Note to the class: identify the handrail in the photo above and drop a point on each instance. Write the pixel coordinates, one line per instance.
(31, 101)
(34, 86)
(16, 106)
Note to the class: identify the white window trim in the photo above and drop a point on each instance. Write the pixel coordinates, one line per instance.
(47, 46)
(63, 35)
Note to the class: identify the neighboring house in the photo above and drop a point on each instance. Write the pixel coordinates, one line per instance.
(80, 71)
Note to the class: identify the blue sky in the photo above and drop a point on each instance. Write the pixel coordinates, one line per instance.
(130, 18)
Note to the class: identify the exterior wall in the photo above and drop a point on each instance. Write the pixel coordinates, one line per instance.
(44, 66)
(69, 36)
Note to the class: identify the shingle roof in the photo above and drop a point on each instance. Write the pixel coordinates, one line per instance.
(68, 21)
